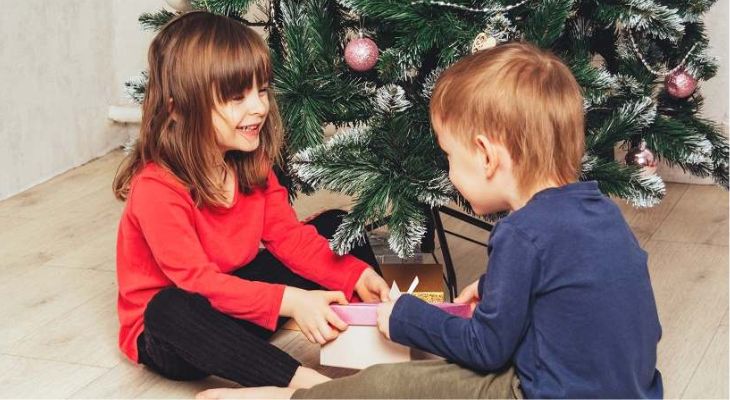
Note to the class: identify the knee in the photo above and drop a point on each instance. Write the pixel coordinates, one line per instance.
(332, 216)
(378, 371)
(327, 222)
(170, 302)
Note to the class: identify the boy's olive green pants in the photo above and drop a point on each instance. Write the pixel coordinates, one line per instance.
(429, 379)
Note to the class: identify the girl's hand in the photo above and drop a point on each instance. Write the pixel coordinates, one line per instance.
(311, 310)
(371, 287)
(470, 295)
(384, 311)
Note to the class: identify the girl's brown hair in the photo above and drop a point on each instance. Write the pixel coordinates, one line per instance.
(196, 61)
(522, 97)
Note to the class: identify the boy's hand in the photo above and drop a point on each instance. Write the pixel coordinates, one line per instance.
(371, 287)
(470, 295)
(384, 311)
(311, 310)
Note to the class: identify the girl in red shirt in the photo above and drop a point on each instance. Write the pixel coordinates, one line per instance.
(196, 296)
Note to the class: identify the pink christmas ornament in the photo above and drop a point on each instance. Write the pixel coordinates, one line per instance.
(361, 54)
(680, 84)
(641, 156)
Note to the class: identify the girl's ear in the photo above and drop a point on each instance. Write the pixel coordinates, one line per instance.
(488, 155)
(170, 105)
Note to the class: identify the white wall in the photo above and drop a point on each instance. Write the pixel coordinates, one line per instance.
(716, 89)
(130, 43)
(56, 78)
(58, 74)
(62, 64)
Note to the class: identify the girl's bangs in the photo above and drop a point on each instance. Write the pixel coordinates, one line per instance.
(241, 62)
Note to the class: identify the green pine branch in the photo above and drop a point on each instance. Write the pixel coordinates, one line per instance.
(644, 16)
(690, 11)
(621, 125)
(677, 143)
(223, 7)
(390, 11)
(344, 164)
(597, 83)
(627, 182)
(718, 155)
(407, 226)
(693, 143)
(135, 87)
(370, 206)
(385, 156)
(547, 22)
(154, 21)
(324, 29)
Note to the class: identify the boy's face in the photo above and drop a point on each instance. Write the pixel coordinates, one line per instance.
(469, 173)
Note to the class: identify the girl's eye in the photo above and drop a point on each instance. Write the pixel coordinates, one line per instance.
(238, 97)
(264, 90)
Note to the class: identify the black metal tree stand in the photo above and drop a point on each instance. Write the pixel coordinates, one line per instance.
(434, 228)
(441, 231)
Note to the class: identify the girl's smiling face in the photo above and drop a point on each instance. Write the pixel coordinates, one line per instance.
(238, 121)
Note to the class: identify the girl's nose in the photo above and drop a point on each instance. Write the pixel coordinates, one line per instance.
(257, 104)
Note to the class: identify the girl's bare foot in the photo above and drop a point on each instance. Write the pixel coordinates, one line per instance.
(265, 392)
(305, 378)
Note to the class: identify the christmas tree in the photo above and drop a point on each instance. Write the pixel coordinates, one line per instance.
(368, 67)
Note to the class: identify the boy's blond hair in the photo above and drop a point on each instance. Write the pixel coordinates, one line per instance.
(522, 97)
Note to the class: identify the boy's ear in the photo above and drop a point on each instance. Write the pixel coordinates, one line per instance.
(487, 152)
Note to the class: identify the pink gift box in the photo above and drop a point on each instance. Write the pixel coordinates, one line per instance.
(362, 345)
(365, 314)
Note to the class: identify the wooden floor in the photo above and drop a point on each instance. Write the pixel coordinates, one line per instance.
(57, 284)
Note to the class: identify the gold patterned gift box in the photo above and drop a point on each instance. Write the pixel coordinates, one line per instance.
(430, 279)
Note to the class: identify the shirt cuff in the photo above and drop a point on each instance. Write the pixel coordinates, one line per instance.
(277, 297)
(358, 266)
(480, 286)
(407, 312)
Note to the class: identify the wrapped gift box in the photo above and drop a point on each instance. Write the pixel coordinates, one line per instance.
(430, 282)
(362, 344)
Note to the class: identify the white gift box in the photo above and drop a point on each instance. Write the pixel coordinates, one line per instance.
(362, 344)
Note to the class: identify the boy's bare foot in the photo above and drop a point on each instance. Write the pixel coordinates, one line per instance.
(265, 392)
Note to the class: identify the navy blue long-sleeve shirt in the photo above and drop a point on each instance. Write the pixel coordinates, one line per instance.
(566, 299)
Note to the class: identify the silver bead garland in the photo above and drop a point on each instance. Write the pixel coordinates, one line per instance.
(465, 8)
(646, 64)
(272, 15)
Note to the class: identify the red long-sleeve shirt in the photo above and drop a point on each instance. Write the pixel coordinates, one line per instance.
(164, 240)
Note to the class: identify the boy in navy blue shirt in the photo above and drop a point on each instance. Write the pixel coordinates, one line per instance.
(566, 308)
